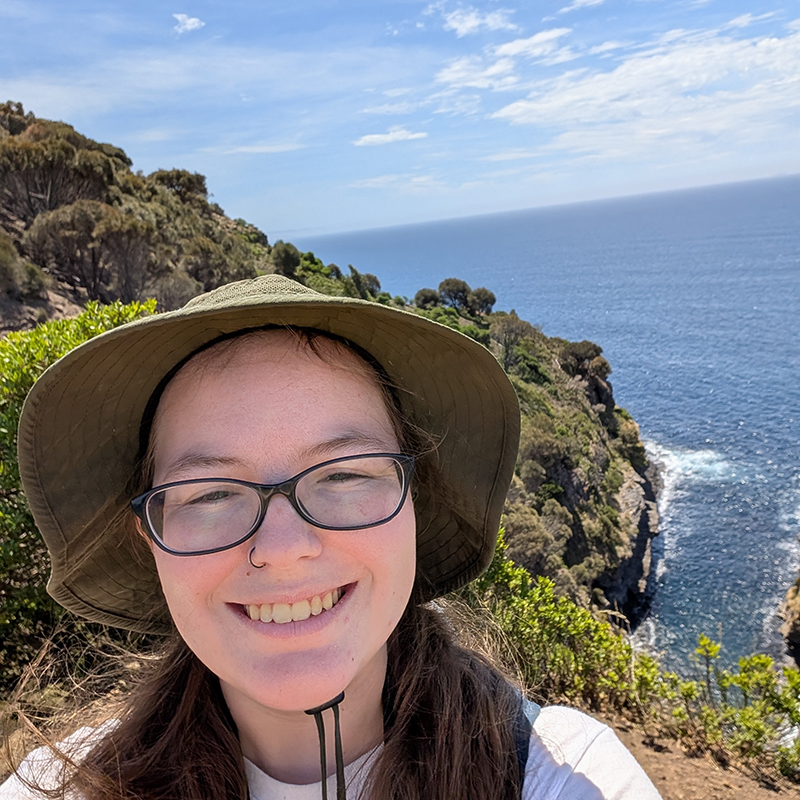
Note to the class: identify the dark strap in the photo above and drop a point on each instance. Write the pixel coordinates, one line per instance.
(523, 725)
(317, 714)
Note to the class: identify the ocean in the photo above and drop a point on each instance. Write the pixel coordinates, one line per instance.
(694, 297)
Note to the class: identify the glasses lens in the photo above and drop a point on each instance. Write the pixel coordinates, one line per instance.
(205, 515)
(352, 492)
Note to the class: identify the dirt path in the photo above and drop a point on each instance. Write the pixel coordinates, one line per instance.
(679, 777)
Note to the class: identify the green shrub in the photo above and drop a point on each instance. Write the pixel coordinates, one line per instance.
(27, 614)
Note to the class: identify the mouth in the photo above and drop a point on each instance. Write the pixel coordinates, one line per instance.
(281, 613)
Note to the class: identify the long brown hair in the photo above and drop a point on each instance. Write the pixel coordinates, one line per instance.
(449, 720)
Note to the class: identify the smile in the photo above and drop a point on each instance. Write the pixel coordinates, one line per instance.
(282, 613)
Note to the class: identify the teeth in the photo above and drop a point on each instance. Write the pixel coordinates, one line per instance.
(281, 612)
(302, 609)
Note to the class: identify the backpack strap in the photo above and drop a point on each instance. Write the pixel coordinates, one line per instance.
(523, 725)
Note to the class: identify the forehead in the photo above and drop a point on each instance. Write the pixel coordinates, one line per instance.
(275, 382)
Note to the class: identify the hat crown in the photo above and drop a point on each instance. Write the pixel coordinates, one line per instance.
(264, 289)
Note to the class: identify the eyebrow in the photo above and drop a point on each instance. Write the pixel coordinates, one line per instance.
(330, 447)
(193, 461)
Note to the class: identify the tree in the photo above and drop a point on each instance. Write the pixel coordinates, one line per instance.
(455, 293)
(427, 298)
(576, 358)
(186, 185)
(36, 177)
(481, 300)
(112, 254)
(509, 330)
(63, 242)
(286, 258)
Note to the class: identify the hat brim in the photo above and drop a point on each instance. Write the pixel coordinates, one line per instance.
(79, 437)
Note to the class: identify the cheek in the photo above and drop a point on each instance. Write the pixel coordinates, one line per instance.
(396, 561)
(189, 583)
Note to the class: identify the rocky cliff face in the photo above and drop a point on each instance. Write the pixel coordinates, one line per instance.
(626, 586)
(789, 612)
(582, 506)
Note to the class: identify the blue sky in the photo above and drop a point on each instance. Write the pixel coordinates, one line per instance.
(314, 116)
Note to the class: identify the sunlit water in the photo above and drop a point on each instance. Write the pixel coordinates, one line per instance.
(695, 298)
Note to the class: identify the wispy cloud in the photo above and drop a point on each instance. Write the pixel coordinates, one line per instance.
(471, 71)
(745, 20)
(263, 147)
(469, 20)
(395, 134)
(540, 44)
(689, 90)
(187, 23)
(416, 184)
(576, 4)
(515, 154)
(392, 108)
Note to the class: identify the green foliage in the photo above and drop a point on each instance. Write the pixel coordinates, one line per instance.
(27, 614)
(19, 278)
(564, 653)
(455, 293)
(427, 298)
(576, 357)
(481, 301)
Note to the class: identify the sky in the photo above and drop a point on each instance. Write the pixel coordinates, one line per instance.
(315, 116)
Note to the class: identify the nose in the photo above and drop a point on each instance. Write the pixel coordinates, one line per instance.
(284, 537)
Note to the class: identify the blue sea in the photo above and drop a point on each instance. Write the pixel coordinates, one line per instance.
(695, 298)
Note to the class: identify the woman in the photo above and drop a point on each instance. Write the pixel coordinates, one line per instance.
(279, 481)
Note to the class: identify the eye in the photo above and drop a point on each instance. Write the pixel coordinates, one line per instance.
(343, 477)
(215, 496)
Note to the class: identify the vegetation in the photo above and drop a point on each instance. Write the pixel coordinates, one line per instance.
(747, 715)
(27, 614)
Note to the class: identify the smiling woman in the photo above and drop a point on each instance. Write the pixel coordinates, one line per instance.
(279, 481)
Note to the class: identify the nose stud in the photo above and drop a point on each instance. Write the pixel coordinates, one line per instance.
(252, 563)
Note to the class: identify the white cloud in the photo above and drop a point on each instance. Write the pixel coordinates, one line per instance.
(515, 154)
(407, 183)
(391, 108)
(576, 4)
(395, 134)
(745, 20)
(606, 47)
(692, 91)
(469, 20)
(471, 71)
(187, 23)
(264, 147)
(540, 44)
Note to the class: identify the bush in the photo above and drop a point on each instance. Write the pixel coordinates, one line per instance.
(427, 298)
(27, 614)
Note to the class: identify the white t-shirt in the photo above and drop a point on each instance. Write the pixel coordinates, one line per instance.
(571, 757)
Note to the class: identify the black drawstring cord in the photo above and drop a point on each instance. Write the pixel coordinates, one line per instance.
(337, 735)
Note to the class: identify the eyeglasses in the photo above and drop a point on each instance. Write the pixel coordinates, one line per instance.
(206, 515)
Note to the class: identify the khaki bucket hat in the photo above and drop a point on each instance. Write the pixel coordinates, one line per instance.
(80, 429)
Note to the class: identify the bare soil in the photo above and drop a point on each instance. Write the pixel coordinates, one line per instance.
(681, 777)
(17, 315)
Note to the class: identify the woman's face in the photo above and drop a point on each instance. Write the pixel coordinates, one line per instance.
(263, 411)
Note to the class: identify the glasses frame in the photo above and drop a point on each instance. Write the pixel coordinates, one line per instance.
(266, 491)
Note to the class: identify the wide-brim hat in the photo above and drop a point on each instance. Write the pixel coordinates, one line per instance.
(79, 437)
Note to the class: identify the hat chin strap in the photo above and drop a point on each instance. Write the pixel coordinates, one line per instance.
(337, 735)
